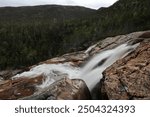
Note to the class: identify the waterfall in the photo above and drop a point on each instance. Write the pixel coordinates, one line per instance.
(91, 73)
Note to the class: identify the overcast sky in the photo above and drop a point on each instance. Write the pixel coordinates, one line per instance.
(95, 4)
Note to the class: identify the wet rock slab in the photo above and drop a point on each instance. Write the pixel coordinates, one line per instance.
(14, 89)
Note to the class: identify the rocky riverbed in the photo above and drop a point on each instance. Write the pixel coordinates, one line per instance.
(127, 78)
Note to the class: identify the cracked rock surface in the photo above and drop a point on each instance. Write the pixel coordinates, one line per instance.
(129, 78)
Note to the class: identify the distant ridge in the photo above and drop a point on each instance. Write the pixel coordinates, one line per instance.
(45, 12)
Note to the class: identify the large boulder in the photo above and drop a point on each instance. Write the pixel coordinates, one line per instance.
(64, 89)
(128, 78)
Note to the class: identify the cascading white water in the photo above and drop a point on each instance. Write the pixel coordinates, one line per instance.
(91, 73)
(51, 72)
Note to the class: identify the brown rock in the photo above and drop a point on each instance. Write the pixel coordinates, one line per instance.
(74, 59)
(14, 89)
(26, 88)
(64, 89)
(145, 35)
(129, 78)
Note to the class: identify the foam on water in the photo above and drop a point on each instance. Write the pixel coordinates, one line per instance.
(91, 73)
(51, 72)
(47, 69)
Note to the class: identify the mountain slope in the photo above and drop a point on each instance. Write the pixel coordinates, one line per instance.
(122, 17)
(31, 34)
(45, 12)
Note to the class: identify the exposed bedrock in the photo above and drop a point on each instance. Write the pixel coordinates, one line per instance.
(128, 78)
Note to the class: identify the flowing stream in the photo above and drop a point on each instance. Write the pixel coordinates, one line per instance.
(91, 73)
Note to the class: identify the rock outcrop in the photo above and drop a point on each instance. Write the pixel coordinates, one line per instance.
(129, 78)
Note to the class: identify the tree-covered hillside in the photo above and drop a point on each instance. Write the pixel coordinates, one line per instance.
(125, 16)
(31, 34)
